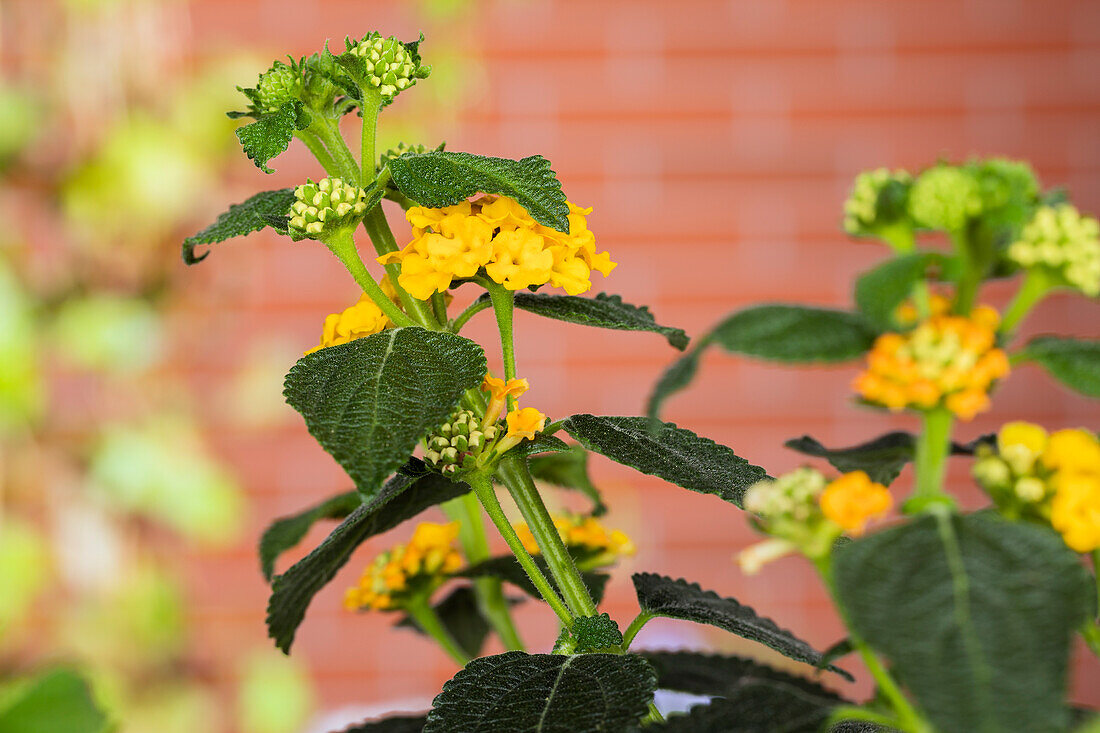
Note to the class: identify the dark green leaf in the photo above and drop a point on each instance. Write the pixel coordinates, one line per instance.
(1073, 362)
(675, 378)
(882, 458)
(286, 532)
(881, 290)
(756, 707)
(602, 311)
(249, 216)
(679, 599)
(508, 569)
(544, 443)
(271, 134)
(369, 401)
(975, 613)
(461, 616)
(445, 178)
(678, 456)
(715, 674)
(568, 470)
(593, 633)
(837, 651)
(544, 693)
(401, 498)
(795, 334)
(58, 700)
(395, 724)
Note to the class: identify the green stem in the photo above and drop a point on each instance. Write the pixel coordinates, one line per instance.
(514, 474)
(328, 131)
(486, 494)
(439, 307)
(471, 310)
(475, 545)
(933, 447)
(1033, 289)
(317, 148)
(636, 625)
(900, 236)
(369, 108)
(503, 301)
(428, 621)
(974, 264)
(1091, 633)
(382, 237)
(343, 246)
(653, 716)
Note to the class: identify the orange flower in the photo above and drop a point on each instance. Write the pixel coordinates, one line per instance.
(853, 499)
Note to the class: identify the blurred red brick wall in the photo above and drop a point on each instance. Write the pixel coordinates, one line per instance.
(716, 141)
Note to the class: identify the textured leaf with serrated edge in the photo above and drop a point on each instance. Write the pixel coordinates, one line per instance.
(602, 311)
(663, 596)
(516, 692)
(756, 707)
(881, 290)
(795, 334)
(677, 455)
(251, 215)
(592, 633)
(675, 378)
(393, 724)
(445, 178)
(508, 569)
(568, 469)
(1073, 362)
(271, 134)
(974, 613)
(704, 673)
(461, 616)
(401, 498)
(57, 700)
(285, 532)
(369, 401)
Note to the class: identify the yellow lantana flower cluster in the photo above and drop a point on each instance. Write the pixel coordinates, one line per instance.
(946, 360)
(1053, 477)
(496, 234)
(409, 570)
(362, 319)
(595, 544)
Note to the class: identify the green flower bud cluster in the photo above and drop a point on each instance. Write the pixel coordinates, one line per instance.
(878, 199)
(397, 152)
(1010, 476)
(390, 67)
(1060, 239)
(325, 206)
(945, 197)
(277, 86)
(1005, 182)
(459, 442)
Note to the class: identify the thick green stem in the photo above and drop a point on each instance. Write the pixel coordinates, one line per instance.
(428, 621)
(382, 237)
(652, 717)
(503, 301)
(636, 625)
(343, 246)
(1033, 289)
(346, 167)
(486, 494)
(514, 474)
(933, 447)
(369, 108)
(475, 545)
(975, 260)
(317, 148)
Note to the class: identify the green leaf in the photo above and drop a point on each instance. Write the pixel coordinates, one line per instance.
(508, 569)
(58, 700)
(795, 334)
(286, 532)
(882, 458)
(602, 311)
(369, 401)
(679, 599)
(675, 378)
(544, 443)
(401, 498)
(270, 135)
(249, 216)
(543, 693)
(975, 614)
(700, 673)
(592, 633)
(1073, 362)
(461, 616)
(445, 178)
(678, 456)
(569, 470)
(394, 724)
(756, 707)
(881, 290)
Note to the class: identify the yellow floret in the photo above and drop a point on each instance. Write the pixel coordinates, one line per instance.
(853, 499)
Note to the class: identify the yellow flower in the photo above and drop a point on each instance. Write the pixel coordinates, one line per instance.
(409, 570)
(499, 392)
(1020, 444)
(1073, 451)
(520, 259)
(525, 423)
(853, 499)
(1075, 510)
(569, 272)
(502, 212)
(362, 319)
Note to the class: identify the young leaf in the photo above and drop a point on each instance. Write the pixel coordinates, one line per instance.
(881, 290)
(974, 613)
(795, 334)
(602, 311)
(1073, 362)
(271, 134)
(662, 596)
(678, 456)
(592, 633)
(394, 724)
(461, 616)
(569, 470)
(757, 707)
(286, 532)
(675, 378)
(882, 458)
(522, 693)
(251, 215)
(700, 673)
(401, 498)
(369, 401)
(508, 569)
(58, 700)
(444, 178)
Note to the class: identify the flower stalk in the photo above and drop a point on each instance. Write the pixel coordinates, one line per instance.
(933, 447)
(429, 622)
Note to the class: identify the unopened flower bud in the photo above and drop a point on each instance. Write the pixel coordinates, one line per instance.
(388, 65)
(992, 473)
(278, 85)
(945, 197)
(323, 207)
(1030, 489)
(1061, 240)
(877, 200)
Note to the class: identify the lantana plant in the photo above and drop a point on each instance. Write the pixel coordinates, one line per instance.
(964, 621)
